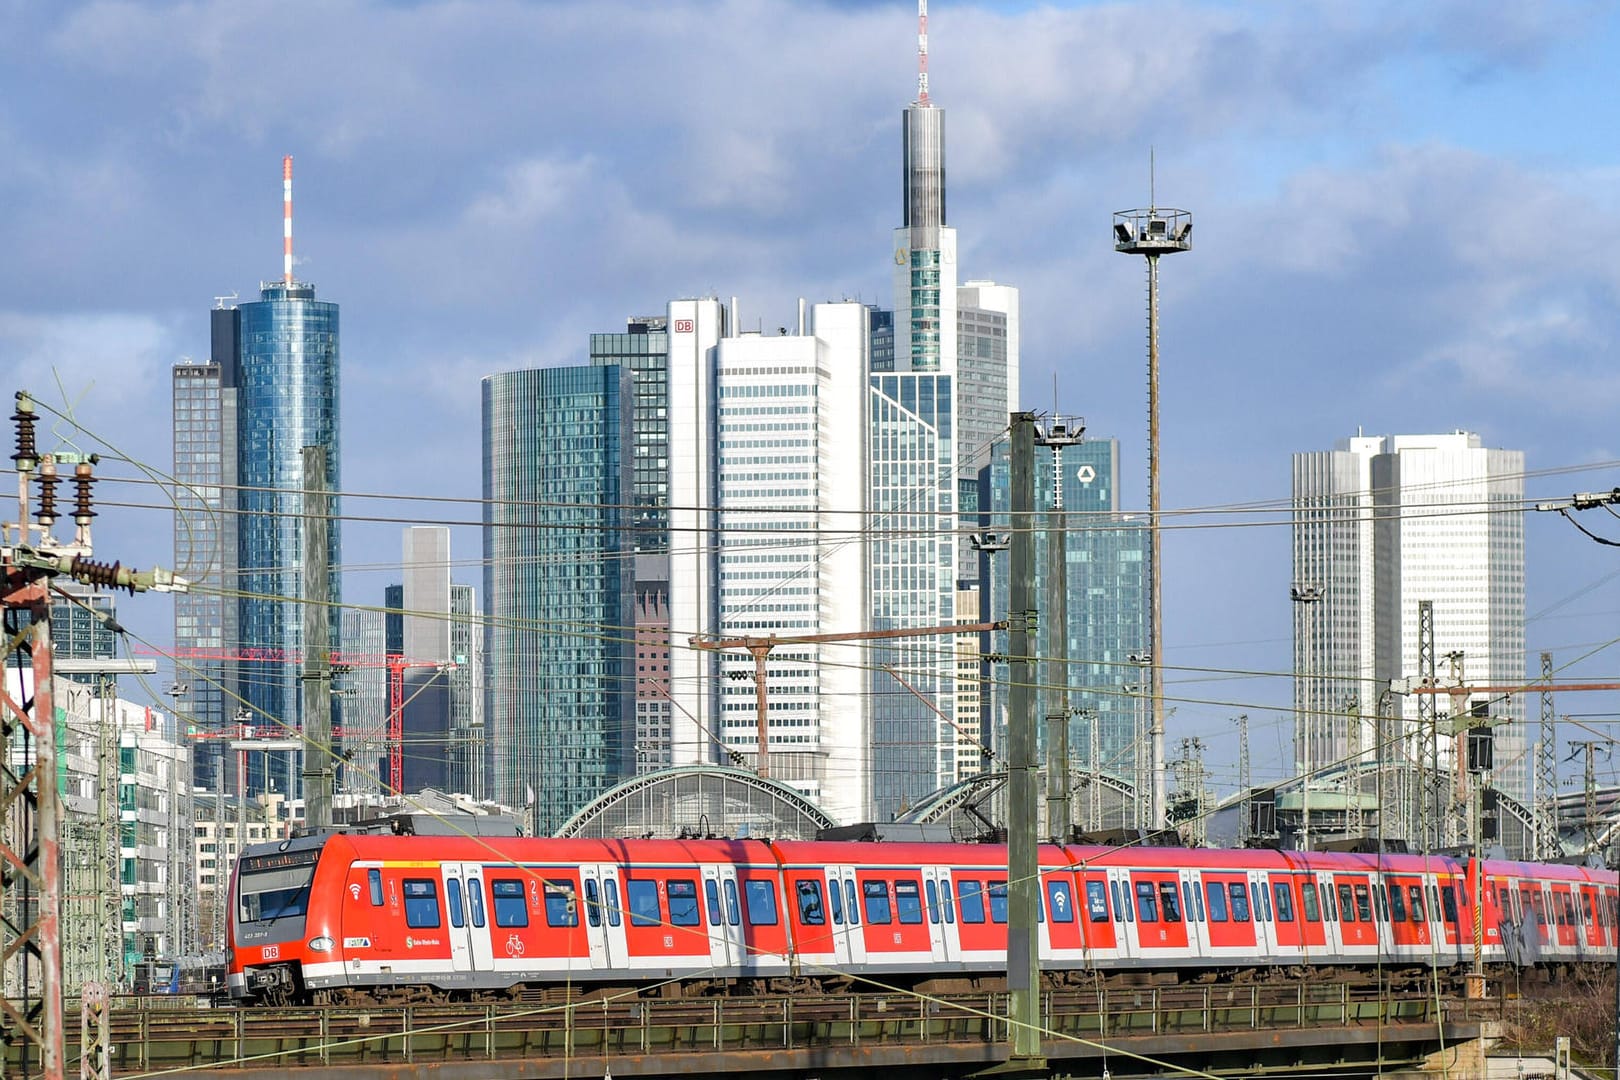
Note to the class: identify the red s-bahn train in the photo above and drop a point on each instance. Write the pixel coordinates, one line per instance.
(360, 918)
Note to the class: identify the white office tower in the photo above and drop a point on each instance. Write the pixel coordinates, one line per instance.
(786, 484)
(426, 565)
(695, 330)
(1382, 523)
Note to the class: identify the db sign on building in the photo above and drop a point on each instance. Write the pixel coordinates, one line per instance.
(683, 326)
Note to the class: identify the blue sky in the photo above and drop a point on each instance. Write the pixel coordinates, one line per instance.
(1406, 220)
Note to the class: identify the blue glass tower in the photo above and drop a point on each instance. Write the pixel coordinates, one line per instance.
(287, 399)
(559, 577)
(1107, 598)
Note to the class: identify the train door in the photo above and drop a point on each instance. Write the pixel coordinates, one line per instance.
(1590, 921)
(594, 909)
(1119, 895)
(478, 930)
(936, 890)
(458, 930)
(850, 943)
(724, 939)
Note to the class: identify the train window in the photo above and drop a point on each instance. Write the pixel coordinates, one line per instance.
(945, 895)
(1364, 904)
(1566, 910)
(1307, 898)
(970, 897)
(932, 892)
(612, 888)
(1057, 896)
(1217, 900)
(711, 891)
(593, 903)
(876, 895)
(1264, 906)
(1586, 907)
(1347, 908)
(1239, 897)
(998, 902)
(1448, 903)
(510, 907)
(1170, 901)
(475, 900)
(683, 902)
(1504, 905)
(849, 903)
(1121, 911)
(1434, 902)
(761, 902)
(421, 903)
(1397, 903)
(811, 912)
(452, 896)
(1415, 892)
(1380, 903)
(908, 902)
(1198, 897)
(732, 917)
(1330, 911)
(642, 899)
(1285, 901)
(836, 895)
(1537, 907)
(561, 908)
(374, 880)
(1147, 905)
(1187, 900)
(1096, 901)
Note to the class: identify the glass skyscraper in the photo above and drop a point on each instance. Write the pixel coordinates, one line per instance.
(205, 552)
(287, 399)
(912, 578)
(1106, 602)
(559, 581)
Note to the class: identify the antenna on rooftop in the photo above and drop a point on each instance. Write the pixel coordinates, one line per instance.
(286, 220)
(922, 52)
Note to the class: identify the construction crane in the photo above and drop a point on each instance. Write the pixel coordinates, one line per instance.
(396, 664)
(760, 648)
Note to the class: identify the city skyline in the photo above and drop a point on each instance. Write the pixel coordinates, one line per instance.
(1266, 344)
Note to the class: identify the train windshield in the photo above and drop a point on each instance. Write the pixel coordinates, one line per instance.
(274, 886)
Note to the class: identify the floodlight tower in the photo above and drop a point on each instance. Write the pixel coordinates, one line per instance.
(1151, 233)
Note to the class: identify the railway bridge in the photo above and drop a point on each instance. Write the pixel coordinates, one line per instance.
(1327, 1029)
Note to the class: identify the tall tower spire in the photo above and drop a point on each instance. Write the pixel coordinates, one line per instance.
(286, 220)
(925, 248)
(922, 52)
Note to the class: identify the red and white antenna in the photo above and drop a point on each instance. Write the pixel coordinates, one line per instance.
(286, 219)
(922, 52)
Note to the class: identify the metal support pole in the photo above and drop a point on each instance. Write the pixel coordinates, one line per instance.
(1155, 559)
(1023, 970)
(317, 675)
(762, 718)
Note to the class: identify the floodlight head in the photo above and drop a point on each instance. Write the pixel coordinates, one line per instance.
(1122, 231)
(1183, 232)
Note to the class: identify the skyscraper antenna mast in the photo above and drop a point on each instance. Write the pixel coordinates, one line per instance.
(922, 52)
(286, 220)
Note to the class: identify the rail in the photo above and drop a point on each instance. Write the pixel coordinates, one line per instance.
(150, 1040)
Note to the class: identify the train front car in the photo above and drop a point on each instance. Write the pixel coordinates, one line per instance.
(281, 925)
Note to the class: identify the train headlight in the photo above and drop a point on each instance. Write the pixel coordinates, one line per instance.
(320, 944)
